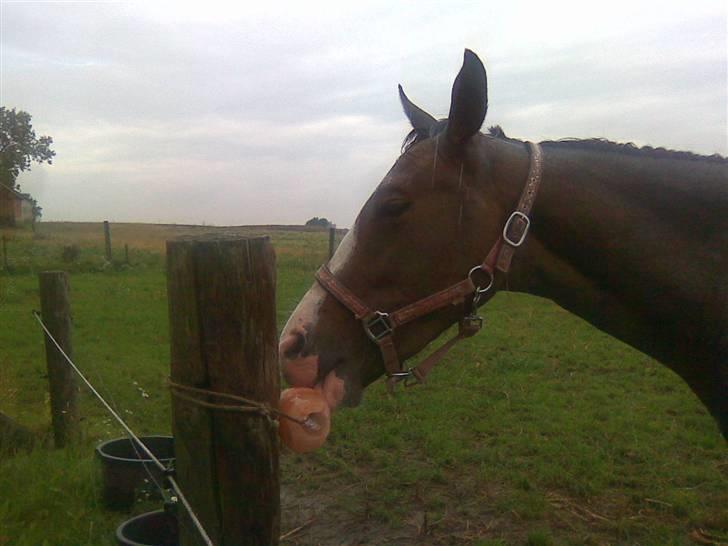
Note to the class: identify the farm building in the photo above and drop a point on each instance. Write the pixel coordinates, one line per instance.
(15, 207)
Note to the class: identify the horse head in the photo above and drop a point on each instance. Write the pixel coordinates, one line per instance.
(431, 218)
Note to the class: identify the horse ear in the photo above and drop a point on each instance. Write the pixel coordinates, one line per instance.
(469, 100)
(421, 121)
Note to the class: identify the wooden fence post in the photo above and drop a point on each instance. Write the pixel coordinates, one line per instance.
(107, 240)
(56, 314)
(332, 240)
(223, 338)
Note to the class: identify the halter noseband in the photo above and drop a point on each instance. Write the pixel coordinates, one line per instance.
(380, 326)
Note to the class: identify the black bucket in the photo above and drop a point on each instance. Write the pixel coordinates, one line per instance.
(123, 469)
(151, 529)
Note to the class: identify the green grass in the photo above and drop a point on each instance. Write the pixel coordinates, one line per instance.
(541, 430)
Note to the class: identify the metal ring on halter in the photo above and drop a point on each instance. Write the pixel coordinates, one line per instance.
(399, 376)
(478, 289)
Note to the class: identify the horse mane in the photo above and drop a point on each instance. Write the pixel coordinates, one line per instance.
(604, 145)
(597, 144)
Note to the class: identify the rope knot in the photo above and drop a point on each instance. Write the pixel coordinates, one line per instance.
(243, 405)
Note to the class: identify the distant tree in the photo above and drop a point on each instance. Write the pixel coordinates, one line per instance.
(37, 211)
(316, 221)
(19, 146)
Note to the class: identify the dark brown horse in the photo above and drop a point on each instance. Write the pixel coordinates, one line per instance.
(633, 240)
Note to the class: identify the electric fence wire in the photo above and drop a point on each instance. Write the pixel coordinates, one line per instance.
(135, 438)
(143, 460)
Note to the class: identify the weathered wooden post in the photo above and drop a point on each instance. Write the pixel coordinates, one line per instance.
(107, 240)
(332, 240)
(56, 314)
(223, 335)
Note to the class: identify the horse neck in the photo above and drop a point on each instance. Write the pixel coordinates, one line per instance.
(625, 241)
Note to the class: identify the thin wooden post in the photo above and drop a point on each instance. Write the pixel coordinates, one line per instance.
(332, 240)
(107, 240)
(5, 253)
(56, 314)
(223, 338)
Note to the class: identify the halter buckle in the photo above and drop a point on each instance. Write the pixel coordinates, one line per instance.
(471, 325)
(378, 326)
(516, 214)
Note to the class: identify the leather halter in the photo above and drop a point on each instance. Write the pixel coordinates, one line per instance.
(380, 326)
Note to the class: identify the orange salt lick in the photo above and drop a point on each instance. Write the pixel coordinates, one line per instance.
(309, 406)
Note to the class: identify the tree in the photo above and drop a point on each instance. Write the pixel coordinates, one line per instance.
(19, 146)
(37, 211)
(316, 221)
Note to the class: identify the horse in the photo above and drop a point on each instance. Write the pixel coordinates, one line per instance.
(633, 240)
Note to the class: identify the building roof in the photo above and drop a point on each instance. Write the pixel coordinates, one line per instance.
(17, 194)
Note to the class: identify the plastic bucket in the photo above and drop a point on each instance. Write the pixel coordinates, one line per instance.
(123, 471)
(151, 529)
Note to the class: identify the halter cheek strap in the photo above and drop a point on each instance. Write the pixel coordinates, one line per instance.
(380, 326)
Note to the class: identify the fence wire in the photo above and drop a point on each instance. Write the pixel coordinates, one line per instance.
(134, 438)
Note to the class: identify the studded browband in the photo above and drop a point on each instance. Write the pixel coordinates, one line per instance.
(380, 326)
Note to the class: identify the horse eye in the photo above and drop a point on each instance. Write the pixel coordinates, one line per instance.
(394, 207)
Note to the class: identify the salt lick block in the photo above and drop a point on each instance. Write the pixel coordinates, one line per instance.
(309, 406)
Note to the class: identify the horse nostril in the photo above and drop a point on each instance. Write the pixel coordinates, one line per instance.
(299, 368)
(292, 345)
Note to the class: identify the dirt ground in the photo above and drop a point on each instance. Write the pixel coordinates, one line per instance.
(320, 519)
(316, 519)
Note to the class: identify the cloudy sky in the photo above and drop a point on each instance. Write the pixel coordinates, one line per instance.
(230, 113)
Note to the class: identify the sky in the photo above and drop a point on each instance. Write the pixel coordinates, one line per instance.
(230, 113)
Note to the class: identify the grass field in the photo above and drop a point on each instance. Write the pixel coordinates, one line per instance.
(541, 430)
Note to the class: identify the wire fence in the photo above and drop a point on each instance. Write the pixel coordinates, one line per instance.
(135, 441)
